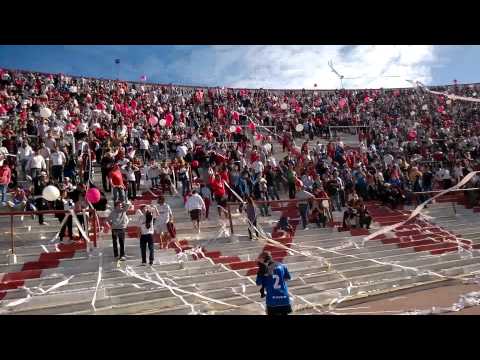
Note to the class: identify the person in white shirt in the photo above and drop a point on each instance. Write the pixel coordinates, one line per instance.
(45, 152)
(144, 149)
(272, 161)
(58, 160)
(36, 165)
(182, 151)
(153, 173)
(129, 171)
(195, 205)
(161, 225)
(258, 168)
(24, 154)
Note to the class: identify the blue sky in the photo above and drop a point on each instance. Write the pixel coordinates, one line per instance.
(279, 66)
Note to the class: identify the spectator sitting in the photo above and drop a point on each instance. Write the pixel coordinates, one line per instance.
(350, 216)
(319, 214)
(364, 217)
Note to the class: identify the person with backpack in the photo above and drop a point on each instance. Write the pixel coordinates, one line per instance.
(272, 277)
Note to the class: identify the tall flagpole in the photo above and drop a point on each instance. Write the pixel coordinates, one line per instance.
(117, 62)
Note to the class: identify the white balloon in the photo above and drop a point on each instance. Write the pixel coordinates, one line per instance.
(449, 102)
(162, 122)
(45, 112)
(284, 106)
(232, 129)
(425, 107)
(412, 113)
(299, 128)
(51, 193)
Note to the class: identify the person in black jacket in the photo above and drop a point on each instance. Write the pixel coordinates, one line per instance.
(64, 203)
(39, 183)
(105, 166)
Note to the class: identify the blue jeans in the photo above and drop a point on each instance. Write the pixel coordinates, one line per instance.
(303, 209)
(3, 191)
(118, 194)
(273, 193)
(336, 202)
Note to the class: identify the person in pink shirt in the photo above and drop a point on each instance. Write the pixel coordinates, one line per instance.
(5, 179)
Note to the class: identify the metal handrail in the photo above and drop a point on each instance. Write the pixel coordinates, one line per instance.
(46, 212)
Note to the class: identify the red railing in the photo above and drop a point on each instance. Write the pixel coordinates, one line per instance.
(92, 220)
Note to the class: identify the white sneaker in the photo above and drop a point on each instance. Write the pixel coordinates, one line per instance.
(305, 229)
(4, 204)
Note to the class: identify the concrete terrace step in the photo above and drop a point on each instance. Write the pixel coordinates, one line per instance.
(433, 259)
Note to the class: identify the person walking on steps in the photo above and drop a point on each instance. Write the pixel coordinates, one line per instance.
(195, 205)
(146, 237)
(252, 217)
(118, 220)
(273, 277)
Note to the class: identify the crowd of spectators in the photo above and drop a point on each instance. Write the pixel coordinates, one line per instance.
(58, 129)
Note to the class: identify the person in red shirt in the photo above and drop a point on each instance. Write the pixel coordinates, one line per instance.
(116, 180)
(5, 179)
(219, 192)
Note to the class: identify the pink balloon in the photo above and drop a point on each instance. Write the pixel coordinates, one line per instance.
(93, 195)
(238, 130)
(153, 120)
(342, 102)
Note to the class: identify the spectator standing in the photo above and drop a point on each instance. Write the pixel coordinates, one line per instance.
(36, 165)
(195, 205)
(165, 216)
(252, 216)
(118, 220)
(146, 237)
(303, 197)
(25, 152)
(116, 180)
(58, 159)
(5, 179)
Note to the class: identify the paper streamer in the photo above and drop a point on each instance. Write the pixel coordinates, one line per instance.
(465, 301)
(130, 272)
(449, 96)
(99, 279)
